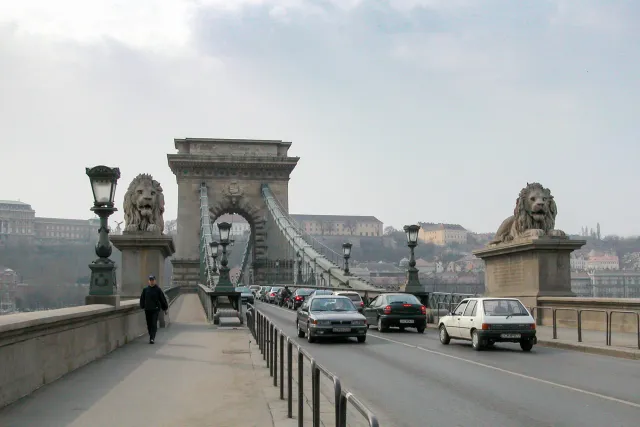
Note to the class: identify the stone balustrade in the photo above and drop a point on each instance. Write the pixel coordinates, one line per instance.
(593, 313)
(37, 348)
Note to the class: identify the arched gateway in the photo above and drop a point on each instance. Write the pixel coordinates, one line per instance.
(233, 171)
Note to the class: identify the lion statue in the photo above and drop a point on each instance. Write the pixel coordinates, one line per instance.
(144, 205)
(534, 216)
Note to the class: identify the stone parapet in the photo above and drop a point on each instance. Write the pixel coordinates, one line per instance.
(39, 347)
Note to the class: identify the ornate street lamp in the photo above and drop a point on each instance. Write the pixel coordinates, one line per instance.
(413, 285)
(224, 282)
(232, 242)
(299, 279)
(215, 248)
(346, 252)
(103, 287)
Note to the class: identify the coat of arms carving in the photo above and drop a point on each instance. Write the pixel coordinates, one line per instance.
(233, 192)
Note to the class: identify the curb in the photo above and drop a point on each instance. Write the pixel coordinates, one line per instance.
(614, 352)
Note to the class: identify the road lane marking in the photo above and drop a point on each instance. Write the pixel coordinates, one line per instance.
(505, 371)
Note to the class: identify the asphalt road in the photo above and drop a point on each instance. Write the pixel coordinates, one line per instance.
(412, 380)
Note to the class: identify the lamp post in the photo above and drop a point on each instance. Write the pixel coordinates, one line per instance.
(103, 287)
(224, 282)
(346, 252)
(413, 285)
(299, 279)
(214, 255)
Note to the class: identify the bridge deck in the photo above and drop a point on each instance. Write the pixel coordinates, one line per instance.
(185, 379)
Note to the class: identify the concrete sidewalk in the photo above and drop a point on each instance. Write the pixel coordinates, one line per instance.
(195, 375)
(624, 345)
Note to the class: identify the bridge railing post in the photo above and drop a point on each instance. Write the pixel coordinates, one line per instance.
(274, 360)
(281, 366)
(269, 336)
(300, 388)
(289, 378)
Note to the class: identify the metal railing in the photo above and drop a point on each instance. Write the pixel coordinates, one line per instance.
(323, 258)
(246, 255)
(608, 321)
(206, 259)
(268, 336)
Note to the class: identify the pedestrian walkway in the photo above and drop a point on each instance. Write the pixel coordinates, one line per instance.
(194, 375)
(622, 344)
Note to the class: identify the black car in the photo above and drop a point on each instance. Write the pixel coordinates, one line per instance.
(246, 295)
(298, 297)
(397, 310)
(330, 316)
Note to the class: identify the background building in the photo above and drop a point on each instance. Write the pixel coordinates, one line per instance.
(339, 225)
(239, 225)
(52, 231)
(19, 224)
(8, 283)
(16, 222)
(442, 234)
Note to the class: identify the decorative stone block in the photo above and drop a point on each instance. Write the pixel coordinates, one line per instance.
(143, 253)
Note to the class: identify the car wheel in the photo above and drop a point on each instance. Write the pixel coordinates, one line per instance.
(421, 329)
(309, 337)
(444, 335)
(475, 341)
(300, 331)
(381, 326)
(362, 339)
(526, 345)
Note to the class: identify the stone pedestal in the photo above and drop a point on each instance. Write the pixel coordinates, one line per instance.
(186, 272)
(529, 268)
(143, 254)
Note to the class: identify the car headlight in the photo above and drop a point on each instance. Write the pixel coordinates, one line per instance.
(357, 322)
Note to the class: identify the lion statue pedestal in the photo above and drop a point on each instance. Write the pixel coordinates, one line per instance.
(528, 258)
(143, 245)
(142, 254)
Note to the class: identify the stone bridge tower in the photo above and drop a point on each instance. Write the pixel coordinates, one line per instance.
(233, 171)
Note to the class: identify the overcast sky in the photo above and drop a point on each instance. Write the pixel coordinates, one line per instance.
(409, 110)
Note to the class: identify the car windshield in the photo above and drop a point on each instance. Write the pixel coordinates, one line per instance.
(323, 292)
(332, 304)
(275, 289)
(503, 307)
(243, 290)
(353, 297)
(405, 299)
(304, 291)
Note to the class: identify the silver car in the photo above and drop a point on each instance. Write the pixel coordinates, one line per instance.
(330, 316)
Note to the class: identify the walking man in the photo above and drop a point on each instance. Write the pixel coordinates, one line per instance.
(152, 301)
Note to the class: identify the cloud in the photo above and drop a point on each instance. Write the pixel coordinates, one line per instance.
(408, 110)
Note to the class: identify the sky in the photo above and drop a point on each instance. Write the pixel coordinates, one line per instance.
(409, 110)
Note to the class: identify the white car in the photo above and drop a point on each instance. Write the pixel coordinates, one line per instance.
(485, 321)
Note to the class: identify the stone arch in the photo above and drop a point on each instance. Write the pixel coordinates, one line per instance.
(257, 223)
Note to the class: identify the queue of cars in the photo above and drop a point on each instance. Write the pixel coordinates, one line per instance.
(322, 313)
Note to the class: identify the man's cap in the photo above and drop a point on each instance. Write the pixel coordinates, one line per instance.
(152, 277)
